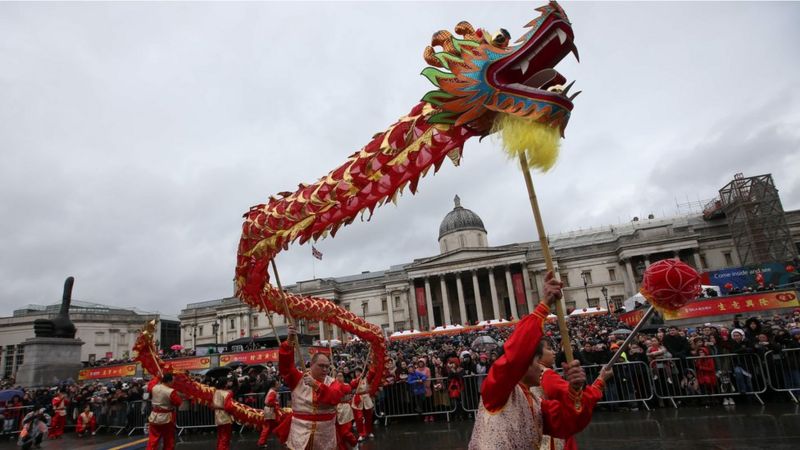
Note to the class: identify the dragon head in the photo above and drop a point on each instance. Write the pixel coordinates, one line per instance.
(483, 80)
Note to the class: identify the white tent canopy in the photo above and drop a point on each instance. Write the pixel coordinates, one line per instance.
(584, 311)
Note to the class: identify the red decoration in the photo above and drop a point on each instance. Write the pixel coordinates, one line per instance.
(790, 268)
(670, 284)
(728, 286)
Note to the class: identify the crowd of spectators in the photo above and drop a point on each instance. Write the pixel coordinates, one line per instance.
(431, 372)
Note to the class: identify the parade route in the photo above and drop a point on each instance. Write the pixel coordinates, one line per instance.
(776, 427)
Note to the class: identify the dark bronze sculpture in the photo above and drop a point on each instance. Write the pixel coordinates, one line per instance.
(60, 326)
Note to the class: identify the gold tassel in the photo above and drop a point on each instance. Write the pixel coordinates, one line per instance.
(540, 142)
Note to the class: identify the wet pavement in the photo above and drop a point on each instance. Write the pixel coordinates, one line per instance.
(774, 427)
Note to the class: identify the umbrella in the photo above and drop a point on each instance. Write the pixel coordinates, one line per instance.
(484, 343)
(621, 331)
(177, 347)
(8, 394)
(218, 372)
(235, 364)
(257, 367)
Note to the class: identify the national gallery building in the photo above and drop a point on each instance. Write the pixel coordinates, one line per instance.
(471, 281)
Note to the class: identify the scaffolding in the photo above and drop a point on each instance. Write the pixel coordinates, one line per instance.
(756, 220)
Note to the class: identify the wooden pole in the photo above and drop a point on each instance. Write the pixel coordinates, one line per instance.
(548, 259)
(297, 356)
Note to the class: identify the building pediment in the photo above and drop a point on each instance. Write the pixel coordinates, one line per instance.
(466, 258)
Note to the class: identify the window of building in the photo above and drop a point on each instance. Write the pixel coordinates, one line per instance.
(365, 307)
(200, 330)
(397, 301)
(612, 274)
(346, 306)
(586, 276)
(233, 323)
(618, 301)
(255, 321)
(703, 263)
(383, 304)
(728, 258)
(593, 302)
(462, 241)
(564, 278)
(570, 305)
(20, 355)
(100, 338)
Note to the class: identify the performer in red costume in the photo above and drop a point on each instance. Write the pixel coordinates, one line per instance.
(271, 412)
(86, 422)
(510, 416)
(554, 387)
(363, 406)
(222, 419)
(164, 400)
(344, 418)
(312, 425)
(60, 403)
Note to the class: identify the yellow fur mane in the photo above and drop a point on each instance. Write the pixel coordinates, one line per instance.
(539, 142)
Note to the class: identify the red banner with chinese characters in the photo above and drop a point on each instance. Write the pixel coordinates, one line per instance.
(633, 317)
(199, 363)
(314, 350)
(98, 373)
(735, 304)
(256, 357)
(422, 310)
(519, 288)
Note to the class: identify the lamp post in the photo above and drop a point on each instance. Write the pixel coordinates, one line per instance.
(604, 290)
(215, 328)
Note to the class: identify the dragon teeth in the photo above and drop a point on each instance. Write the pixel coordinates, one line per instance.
(562, 35)
(524, 66)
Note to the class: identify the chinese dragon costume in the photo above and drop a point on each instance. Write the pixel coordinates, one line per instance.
(484, 84)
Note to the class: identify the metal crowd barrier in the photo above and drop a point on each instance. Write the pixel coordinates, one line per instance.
(471, 395)
(138, 412)
(727, 375)
(783, 371)
(11, 419)
(398, 400)
(194, 415)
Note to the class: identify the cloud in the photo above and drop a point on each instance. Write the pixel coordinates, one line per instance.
(134, 136)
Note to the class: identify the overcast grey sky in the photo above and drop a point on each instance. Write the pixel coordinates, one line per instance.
(133, 136)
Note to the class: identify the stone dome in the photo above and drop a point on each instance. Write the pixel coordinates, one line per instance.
(460, 219)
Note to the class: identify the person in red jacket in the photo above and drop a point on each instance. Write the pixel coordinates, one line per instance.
(272, 411)
(510, 416)
(222, 419)
(312, 425)
(363, 406)
(554, 387)
(344, 418)
(86, 422)
(164, 400)
(60, 403)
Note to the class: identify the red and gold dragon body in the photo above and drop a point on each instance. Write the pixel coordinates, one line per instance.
(480, 77)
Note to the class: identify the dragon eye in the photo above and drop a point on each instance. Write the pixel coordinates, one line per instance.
(501, 38)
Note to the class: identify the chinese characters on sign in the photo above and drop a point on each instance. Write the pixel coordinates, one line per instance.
(735, 304)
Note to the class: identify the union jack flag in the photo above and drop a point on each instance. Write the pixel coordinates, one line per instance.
(316, 253)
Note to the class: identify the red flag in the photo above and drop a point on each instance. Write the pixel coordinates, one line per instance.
(316, 253)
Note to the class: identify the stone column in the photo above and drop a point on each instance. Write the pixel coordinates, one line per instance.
(493, 290)
(445, 301)
(335, 332)
(390, 307)
(528, 290)
(512, 300)
(462, 306)
(429, 303)
(697, 262)
(410, 306)
(322, 330)
(631, 276)
(477, 289)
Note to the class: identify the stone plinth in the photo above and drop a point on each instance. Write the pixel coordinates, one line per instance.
(49, 360)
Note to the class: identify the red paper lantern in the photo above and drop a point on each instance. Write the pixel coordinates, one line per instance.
(728, 286)
(790, 268)
(670, 284)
